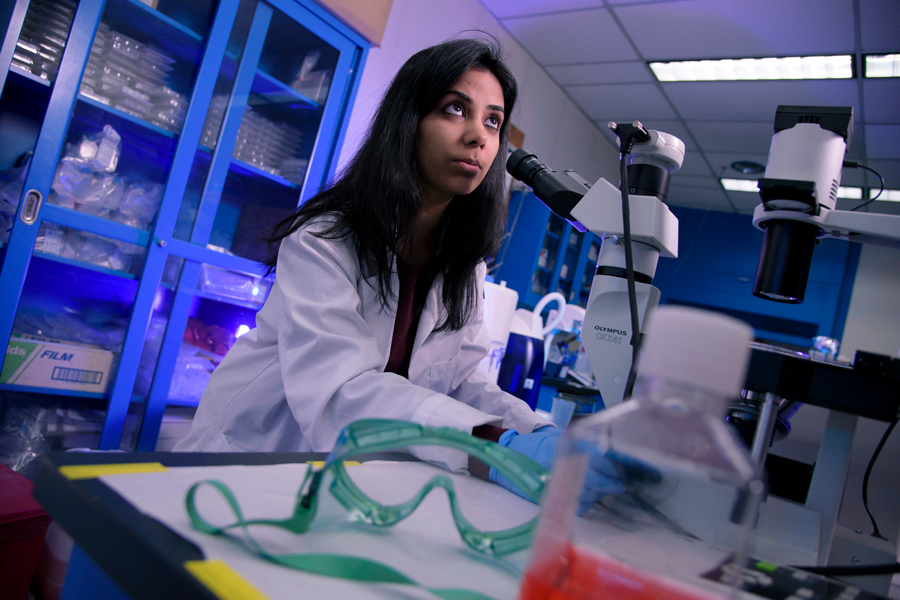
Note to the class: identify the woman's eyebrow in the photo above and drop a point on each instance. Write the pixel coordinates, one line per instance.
(466, 98)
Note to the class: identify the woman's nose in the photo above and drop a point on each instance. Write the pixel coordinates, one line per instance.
(474, 133)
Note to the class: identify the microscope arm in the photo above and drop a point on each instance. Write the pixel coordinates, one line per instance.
(607, 329)
(606, 333)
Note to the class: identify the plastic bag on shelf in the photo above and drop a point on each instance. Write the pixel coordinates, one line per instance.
(211, 338)
(141, 201)
(23, 438)
(100, 149)
(68, 327)
(6, 223)
(72, 174)
(95, 250)
(193, 368)
(51, 239)
(101, 196)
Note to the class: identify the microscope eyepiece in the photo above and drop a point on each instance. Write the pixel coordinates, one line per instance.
(525, 166)
(558, 191)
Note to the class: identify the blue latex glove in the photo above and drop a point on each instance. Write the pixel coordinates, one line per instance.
(601, 478)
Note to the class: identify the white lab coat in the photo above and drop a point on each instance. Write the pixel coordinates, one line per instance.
(315, 363)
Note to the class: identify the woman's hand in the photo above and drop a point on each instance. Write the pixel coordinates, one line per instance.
(601, 478)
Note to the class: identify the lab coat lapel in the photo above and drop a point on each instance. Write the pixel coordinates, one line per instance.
(431, 312)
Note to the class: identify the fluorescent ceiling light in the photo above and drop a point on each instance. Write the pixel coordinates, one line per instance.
(851, 193)
(886, 195)
(750, 69)
(750, 185)
(884, 65)
(740, 185)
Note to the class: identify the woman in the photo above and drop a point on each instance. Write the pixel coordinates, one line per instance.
(377, 308)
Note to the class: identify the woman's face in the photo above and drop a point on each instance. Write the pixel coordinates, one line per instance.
(458, 140)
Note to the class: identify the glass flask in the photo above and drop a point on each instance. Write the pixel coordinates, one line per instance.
(690, 488)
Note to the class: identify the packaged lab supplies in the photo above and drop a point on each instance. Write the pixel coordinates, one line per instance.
(66, 366)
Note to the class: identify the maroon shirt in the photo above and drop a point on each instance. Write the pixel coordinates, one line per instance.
(405, 326)
(407, 321)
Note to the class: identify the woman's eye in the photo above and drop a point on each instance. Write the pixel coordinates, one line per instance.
(454, 108)
(493, 121)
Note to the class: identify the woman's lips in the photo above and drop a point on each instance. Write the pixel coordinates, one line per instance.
(468, 166)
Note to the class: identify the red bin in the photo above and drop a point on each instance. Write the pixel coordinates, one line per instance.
(23, 524)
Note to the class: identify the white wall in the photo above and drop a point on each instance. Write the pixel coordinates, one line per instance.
(873, 324)
(555, 129)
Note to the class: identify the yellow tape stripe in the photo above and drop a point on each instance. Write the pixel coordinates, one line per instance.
(321, 463)
(94, 471)
(223, 581)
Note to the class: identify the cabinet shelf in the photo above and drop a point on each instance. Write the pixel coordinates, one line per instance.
(133, 16)
(6, 387)
(33, 80)
(228, 300)
(126, 116)
(268, 90)
(272, 91)
(84, 265)
(248, 169)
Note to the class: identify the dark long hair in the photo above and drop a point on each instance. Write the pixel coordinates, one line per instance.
(375, 199)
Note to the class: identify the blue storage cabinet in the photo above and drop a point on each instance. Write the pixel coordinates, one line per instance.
(145, 150)
(543, 253)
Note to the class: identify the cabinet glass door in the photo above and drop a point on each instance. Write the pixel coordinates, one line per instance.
(271, 109)
(94, 103)
(567, 275)
(584, 280)
(267, 143)
(197, 323)
(547, 259)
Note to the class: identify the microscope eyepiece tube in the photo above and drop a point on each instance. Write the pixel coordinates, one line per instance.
(648, 180)
(558, 191)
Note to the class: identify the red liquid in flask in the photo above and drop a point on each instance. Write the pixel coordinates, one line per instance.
(578, 575)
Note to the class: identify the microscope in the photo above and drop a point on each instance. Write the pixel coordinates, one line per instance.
(797, 209)
(608, 331)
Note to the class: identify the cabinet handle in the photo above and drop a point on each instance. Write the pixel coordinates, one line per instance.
(31, 206)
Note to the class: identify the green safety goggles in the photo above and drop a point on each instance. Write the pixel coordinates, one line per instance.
(381, 435)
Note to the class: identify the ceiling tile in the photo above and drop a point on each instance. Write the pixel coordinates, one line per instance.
(744, 202)
(879, 24)
(697, 197)
(696, 181)
(621, 102)
(756, 100)
(883, 141)
(619, 72)
(545, 37)
(888, 169)
(746, 139)
(717, 29)
(882, 100)
(503, 9)
(695, 164)
(721, 163)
